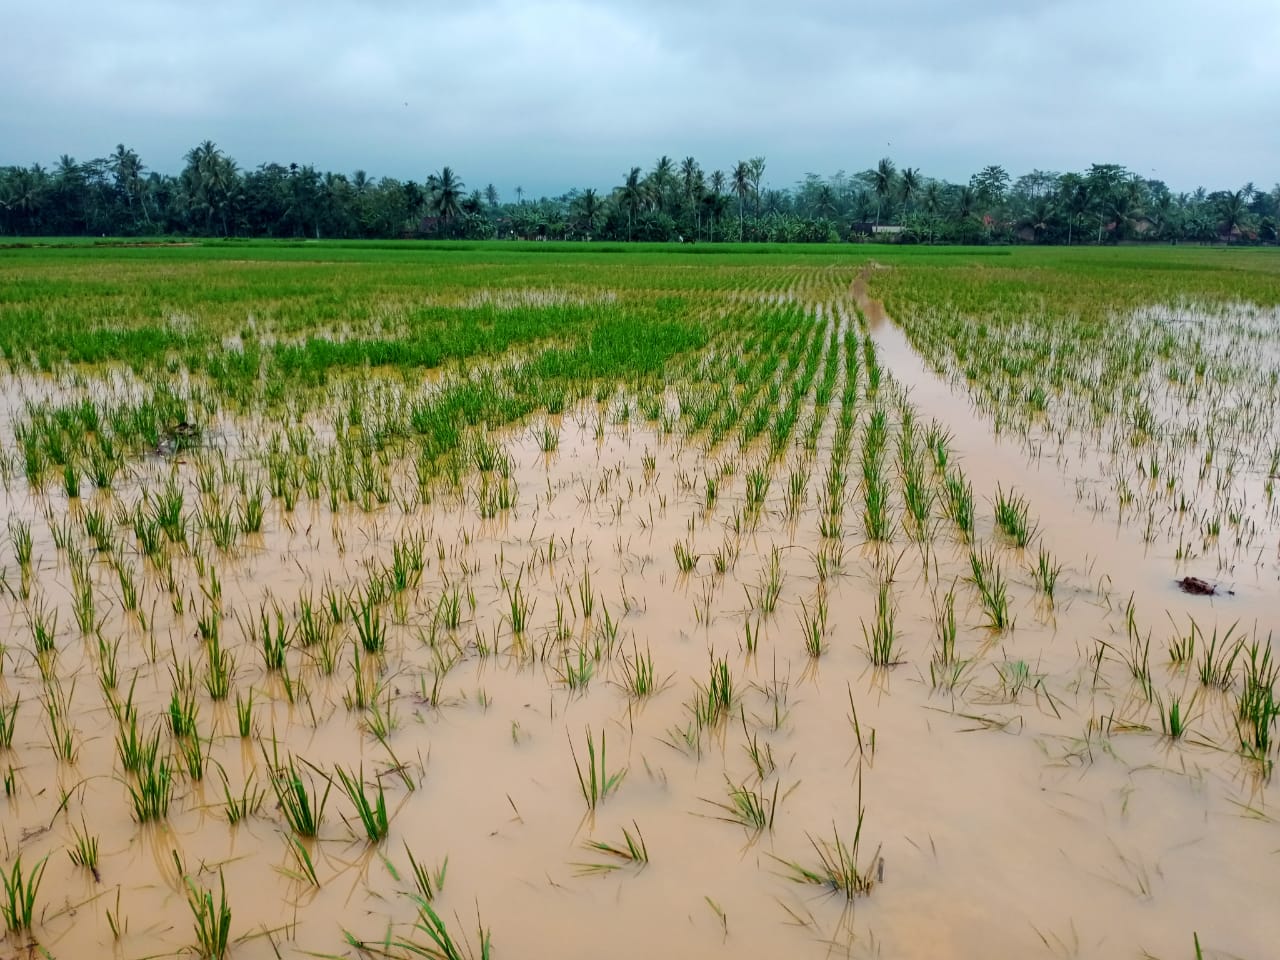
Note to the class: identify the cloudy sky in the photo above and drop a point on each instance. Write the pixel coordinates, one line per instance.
(553, 94)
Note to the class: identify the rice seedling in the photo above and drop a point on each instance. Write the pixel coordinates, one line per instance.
(959, 503)
(247, 803)
(152, 789)
(686, 559)
(520, 607)
(1012, 516)
(300, 800)
(371, 811)
(988, 578)
(1173, 716)
(813, 625)
(639, 677)
(370, 630)
(752, 808)
(440, 944)
(881, 639)
(8, 718)
(427, 883)
(631, 851)
(84, 851)
(44, 627)
(1218, 659)
(595, 781)
(1046, 573)
(212, 919)
(18, 905)
(837, 867)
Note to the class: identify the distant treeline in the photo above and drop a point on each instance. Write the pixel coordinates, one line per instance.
(212, 196)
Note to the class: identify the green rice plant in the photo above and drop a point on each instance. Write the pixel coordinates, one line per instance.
(220, 666)
(183, 710)
(61, 732)
(71, 481)
(372, 812)
(760, 755)
(23, 542)
(631, 851)
(1173, 716)
(222, 525)
(194, 754)
(548, 438)
(166, 511)
(312, 627)
(639, 677)
(881, 639)
(837, 867)
(1182, 649)
(44, 627)
(988, 578)
(370, 630)
(713, 703)
(407, 563)
(958, 502)
(252, 509)
(876, 518)
(212, 919)
(448, 613)
(1012, 516)
(300, 800)
(1258, 708)
(586, 599)
(152, 789)
(427, 883)
(577, 671)
(19, 903)
(8, 717)
(244, 715)
(520, 607)
(752, 808)
(440, 944)
(686, 559)
(127, 578)
(1046, 573)
(306, 868)
(595, 781)
(1217, 662)
(758, 480)
(84, 852)
(247, 803)
(98, 527)
(813, 625)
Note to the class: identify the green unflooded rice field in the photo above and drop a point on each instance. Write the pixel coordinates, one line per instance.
(385, 601)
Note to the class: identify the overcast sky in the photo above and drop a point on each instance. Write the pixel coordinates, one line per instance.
(553, 94)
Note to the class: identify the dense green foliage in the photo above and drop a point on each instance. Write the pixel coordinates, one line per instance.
(213, 196)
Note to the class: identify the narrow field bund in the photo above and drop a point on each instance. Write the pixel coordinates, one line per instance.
(383, 600)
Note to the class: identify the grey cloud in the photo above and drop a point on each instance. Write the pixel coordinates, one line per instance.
(559, 93)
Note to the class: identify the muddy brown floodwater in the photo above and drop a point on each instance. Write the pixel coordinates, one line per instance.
(1030, 807)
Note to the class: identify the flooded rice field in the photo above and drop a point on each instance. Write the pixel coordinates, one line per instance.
(692, 607)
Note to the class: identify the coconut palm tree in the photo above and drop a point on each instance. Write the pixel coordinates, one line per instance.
(908, 186)
(883, 179)
(1233, 210)
(590, 210)
(444, 190)
(661, 176)
(632, 197)
(741, 180)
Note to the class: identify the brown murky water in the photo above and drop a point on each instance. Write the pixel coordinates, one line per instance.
(1028, 808)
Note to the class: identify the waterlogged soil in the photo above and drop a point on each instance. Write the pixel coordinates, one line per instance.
(1028, 806)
